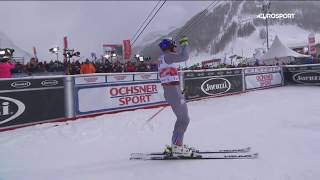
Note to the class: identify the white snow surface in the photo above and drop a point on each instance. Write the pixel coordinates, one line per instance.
(281, 124)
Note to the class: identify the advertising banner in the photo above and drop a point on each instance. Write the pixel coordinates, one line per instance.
(90, 80)
(65, 47)
(312, 44)
(146, 77)
(31, 100)
(263, 80)
(260, 70)
(119, 78)
(262, 77)
(127, 49)
(118, 96)
(212, 83)
(306, 75)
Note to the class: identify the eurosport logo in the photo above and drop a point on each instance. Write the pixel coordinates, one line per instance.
(307, 77)
(21, 84)
(276, 16)
(215, 86)
(10, 109)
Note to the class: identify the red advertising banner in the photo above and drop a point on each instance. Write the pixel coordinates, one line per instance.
(127, 49)
(312, 44)
(65, 46)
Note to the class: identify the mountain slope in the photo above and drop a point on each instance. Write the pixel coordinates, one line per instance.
(224, 27)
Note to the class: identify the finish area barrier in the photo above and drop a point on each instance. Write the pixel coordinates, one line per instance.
(34, 100)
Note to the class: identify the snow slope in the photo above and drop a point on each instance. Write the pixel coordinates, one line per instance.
(245, 46)
(282, 124)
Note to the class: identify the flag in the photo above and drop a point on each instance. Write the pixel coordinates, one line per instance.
(65, 47)
(35, 53)
(127, 49)
(312, 44)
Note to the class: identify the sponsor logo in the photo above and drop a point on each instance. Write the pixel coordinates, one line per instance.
(200, 74)
(120, 77)
(145, 76)
(10, 109)
(215, 86)
(90, 79)
(276, 16)
(21, 84)
(49, 82)
(132, 95)
(220, 72)
(264, 79)
(189, 74)
(307, 77)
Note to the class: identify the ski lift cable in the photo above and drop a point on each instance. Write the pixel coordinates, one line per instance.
(203, 12)
(148, 22)
(152, 11)
(195, 21)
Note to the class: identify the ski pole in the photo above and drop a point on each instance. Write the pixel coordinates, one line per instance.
(155, 114)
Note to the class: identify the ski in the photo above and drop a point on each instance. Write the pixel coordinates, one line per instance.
(203, 157)
(240, 150)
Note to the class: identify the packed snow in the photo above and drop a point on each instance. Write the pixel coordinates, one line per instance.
(281, 124)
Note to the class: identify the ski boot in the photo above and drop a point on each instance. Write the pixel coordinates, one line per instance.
(184, 151)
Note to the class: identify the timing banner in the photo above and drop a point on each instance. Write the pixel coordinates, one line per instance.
(262, 77)
(117, 97)
(212, 83)
(30, 101)
(302, 74)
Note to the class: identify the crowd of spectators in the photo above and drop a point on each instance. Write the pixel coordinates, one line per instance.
(33, 66)
(105, 66)
(76, 67)
(110, 67)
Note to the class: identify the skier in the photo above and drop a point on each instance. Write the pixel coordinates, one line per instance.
(170, 81)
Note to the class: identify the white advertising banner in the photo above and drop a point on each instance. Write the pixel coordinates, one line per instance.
(146, 76)
(259, 70)
(90, 80)
(263, 80)
(119, 96)
(119, 78)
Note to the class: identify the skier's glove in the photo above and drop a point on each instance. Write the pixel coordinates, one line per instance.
(184, 41)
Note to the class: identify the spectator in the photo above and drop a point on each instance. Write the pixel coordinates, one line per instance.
(87, 68)
(5, 68)
(130, 67)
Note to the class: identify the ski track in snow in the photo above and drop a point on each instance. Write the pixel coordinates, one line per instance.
(282, 124)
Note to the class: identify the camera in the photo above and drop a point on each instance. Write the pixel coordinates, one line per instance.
(6, 53)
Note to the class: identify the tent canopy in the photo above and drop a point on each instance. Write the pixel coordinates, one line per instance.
(278, 50)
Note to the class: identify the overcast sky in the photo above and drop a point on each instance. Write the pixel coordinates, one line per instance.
(87, 24)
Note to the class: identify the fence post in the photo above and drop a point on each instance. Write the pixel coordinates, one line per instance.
(69, 96)
(243, 81)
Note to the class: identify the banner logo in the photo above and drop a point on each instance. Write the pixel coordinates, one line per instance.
(276, 16)
(120, 78)
(10, 109)
(90, 79)
(49, 82)
(215, 86)
(264, 79)
(21, 84)
(145, 76)
(307, 77)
